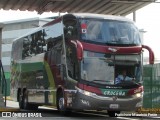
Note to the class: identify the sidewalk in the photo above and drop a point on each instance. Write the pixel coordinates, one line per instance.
(10, 106)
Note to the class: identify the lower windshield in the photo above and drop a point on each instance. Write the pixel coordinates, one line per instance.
(111, 32)
(109, 69)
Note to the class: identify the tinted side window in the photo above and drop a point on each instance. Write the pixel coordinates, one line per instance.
(33, 44)
(54, 39)
(53, 34)
(17, 49)
(37, 43)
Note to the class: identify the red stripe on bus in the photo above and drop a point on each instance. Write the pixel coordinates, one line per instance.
(90, 89)
(111, 49)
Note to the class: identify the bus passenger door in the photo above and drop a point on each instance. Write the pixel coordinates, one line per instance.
(72, 66)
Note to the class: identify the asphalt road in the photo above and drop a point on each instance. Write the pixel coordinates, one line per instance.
(44, 113)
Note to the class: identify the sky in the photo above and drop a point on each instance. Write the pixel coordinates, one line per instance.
(147, 18)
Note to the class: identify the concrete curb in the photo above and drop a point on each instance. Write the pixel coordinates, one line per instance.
(7, 109)
(8, 98)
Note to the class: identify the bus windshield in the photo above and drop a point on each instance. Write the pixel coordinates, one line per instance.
(104, 68)
(110, 32)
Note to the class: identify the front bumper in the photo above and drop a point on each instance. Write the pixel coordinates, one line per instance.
(86, 101)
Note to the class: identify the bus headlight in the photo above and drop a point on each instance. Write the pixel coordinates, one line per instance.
(87, 93)
(138, 95)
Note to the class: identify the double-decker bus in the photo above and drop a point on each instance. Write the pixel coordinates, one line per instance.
(73, 63)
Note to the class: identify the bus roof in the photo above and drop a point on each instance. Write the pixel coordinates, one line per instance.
(100, 16)
(80, 15)
(90, 15)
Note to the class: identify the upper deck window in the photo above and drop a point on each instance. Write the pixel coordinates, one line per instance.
(111, 32)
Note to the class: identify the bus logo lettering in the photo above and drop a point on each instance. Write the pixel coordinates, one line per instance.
(112, 49)
(116, 93)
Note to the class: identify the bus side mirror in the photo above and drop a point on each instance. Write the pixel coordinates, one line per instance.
(68, 32)
(151, 54)
(79, 49)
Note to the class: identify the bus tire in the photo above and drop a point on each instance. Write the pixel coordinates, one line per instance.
(61, 105)
(113, 113)
(25, 100)
(26, 105)
(20, 99)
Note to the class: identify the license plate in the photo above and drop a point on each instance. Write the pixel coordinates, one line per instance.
(114, 106)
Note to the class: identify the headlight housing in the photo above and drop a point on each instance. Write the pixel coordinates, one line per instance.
(87, 93)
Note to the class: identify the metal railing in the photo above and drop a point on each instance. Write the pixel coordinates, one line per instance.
(3, 83)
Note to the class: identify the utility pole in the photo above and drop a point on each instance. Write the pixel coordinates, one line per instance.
(134, 16)
(1, 27)
(1, 95)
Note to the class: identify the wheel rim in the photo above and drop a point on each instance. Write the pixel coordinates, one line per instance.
(61, 103)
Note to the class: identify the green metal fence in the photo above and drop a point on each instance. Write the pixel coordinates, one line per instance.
(7, 76)
(151, 77)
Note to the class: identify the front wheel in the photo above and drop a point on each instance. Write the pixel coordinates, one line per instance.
(113, 113)
(61, 105)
